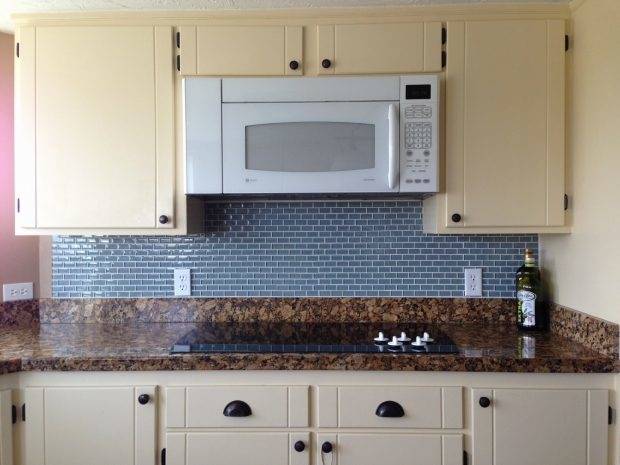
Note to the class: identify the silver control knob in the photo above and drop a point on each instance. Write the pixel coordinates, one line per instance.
(403, 337)
(427, 338)
(395, 342)
(418, 342)
(381, 339)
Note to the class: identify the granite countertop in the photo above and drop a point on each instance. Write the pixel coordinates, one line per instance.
(145, 346)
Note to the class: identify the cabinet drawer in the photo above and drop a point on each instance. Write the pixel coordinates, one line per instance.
(237, 448)
(237, 406)
(422, 407)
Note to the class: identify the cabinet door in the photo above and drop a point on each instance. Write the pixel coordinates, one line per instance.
(96, 146)
(248, 50)
(237, 449)
(405, 449)
(379, 48)
(505, 123)
(6, 428)
(95, 426)
(535, 426)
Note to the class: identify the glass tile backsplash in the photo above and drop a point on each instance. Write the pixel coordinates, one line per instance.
(292, 248)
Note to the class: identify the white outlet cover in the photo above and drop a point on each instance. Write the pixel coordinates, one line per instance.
(182, 282)
(17, 291)
(473, 282)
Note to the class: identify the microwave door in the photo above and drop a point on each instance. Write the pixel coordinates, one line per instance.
(318, 147)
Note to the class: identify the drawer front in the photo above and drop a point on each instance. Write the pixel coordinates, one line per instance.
(402, 449)
(265, 406)
(358, 407)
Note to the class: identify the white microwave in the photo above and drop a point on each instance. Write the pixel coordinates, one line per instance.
(312, 135)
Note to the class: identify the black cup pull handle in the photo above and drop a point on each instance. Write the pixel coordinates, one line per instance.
(484, 402)
(390, 409)
(327, 447)
(237, 408)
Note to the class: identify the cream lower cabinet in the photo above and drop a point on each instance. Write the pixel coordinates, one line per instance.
(6, 428)
(405, 449)
(94, 426)
(539, 426)
(95, 132)
(504, 130)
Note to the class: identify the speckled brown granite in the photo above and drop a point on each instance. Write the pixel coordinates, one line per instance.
(193, 310)
(19, 313)
(600, 335)
(145, 346)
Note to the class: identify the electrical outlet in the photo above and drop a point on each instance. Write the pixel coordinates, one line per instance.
(182, 282)
(17, 291)
(473, 282)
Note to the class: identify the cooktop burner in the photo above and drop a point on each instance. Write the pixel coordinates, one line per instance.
(315, 338)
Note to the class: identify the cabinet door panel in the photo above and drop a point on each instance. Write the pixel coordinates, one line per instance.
(505, 123)
(371, 449)
(237, 449)
(375, 48)
(245, 50)
(97, 123)
(98, 426)
(536, 426)
(6, 428)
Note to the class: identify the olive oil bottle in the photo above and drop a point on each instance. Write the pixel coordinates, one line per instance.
(532, 312)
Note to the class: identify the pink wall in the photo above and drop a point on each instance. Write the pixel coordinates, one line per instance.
(18, 255)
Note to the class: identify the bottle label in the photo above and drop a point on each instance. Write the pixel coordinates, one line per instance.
(527, 307)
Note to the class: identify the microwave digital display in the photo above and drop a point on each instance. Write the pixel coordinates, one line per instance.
(418, 92)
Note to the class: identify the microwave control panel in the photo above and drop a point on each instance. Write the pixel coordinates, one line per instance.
(419, 133)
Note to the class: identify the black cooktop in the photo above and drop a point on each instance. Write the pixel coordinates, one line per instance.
(311, 338)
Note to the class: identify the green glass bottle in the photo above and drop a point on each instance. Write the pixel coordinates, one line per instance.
(531, 309)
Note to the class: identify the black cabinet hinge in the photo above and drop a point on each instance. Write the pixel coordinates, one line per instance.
(23, 412)
(465, 458)
(178, 40)
(13, 414)
(610, 415)
(565, 202)
(163, 456)
(566, 43)
(444, 35)
(444, 59)
(17, 49)
(178, 62)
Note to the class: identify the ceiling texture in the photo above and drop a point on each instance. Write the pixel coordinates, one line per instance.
(14, 6)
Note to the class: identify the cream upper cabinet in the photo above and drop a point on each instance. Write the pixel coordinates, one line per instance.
(239, 50)
(379, 48)
(95, 136)
(94, 426)
(504, 132)
(539, 426)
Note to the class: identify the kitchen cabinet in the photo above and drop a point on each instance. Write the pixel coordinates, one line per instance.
(90, 425)
(536, 426)
(504, 129)
(406, 449)
(6, 428)
(277, 448)
(241, 50)
(379, 48)
(95, 132)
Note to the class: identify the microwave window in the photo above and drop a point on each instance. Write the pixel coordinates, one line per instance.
(310, 147)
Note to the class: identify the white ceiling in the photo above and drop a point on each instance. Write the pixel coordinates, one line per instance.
(10, 6)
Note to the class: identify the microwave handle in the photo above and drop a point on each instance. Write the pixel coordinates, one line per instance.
(393, 145)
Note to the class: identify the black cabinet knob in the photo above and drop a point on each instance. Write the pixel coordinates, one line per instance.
(300, 446)
(327, 447)
(294, 64)
(237, 408)
(456, 218)
(326, 63)
(163, 219)
(144, 399)
(484, 402)
(390, 409)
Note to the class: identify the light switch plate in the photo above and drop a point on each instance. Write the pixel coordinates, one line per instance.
(17, 291)
(182, 282)
(473, 282)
